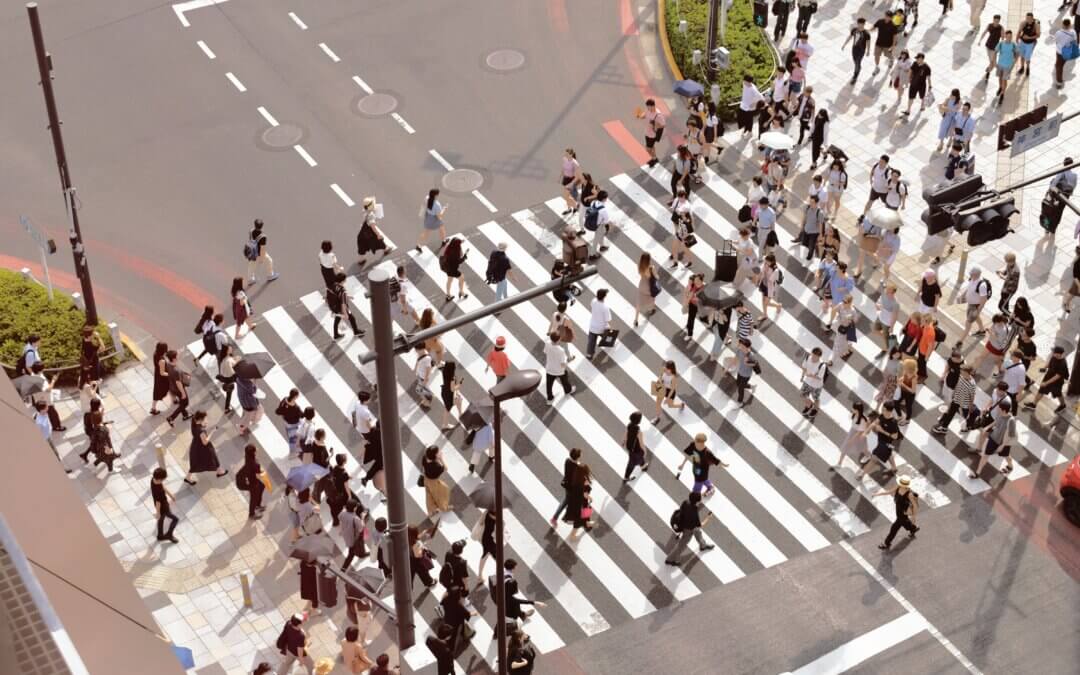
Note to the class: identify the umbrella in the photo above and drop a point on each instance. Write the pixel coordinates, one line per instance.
(28, 385)
(689, 88)
(884, 217)
(314, 546)
(254, 366)
(479, 413)
(776, 140)
(187, 659)
(484, 496)
(304, 476)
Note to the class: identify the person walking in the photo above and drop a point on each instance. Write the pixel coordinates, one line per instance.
(634, 443)
(948, 108)
(812, 381)
(841, 285)
(353, 654)
(401, 298)
(929, 292)
(450, 393)
(434, 345)
(292, 643)
(289, 409)
(579, 501)
(928, 340)
(487, 525)
(439, 646)
(859, 38)
(249, 478)
(689, 521)
(748, 104)
(691, 304)
(249, 403)
(1066, 50)
(370, 239)
(769, 281)
(1010, 276)
(993, 33)
(436, 492)
(665, 389)
(854, 444)
(879, 182)
(328, 263)
(1007, 51)
(555, 361)
(161, 497)
(906, 501)
(257, 254)
(335, 488)
(807, 9)
(433, 214)
(598, 221)
(1028, 33)
(203, 326)
(976, 293)
(888, 309)
(202, 456)
(571, 465)
(962, 401)
(241, 307)
(1055, 375)
(337, 299)
(701, 458)
(499, 271)
(648, 281)
(29, 356)
(908, 383)
(814, 219)
(450, 261)
(900, 77)
(886, 428)
(886, 38)
(765, 222)
(497, 360)
(997, 342)
(599, 322)
(654, 129)
(570, 180)
(353, 530)
(178, 387)
(845, 333)
(423, 371)
(781, 9)
(745, 366)
(560, 324)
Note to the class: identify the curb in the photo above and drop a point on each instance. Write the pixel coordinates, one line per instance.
(661, 7)
(132, 346)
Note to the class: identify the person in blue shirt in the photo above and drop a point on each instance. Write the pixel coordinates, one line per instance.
(1007, 51)
(840, 286)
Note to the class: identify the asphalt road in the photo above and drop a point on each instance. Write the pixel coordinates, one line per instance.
(172, 161)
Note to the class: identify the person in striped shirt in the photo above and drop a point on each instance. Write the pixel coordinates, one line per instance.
(745, 323)
(997, 438)
(963, 399)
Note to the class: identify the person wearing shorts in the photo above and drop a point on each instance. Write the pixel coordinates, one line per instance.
(886, 37)
(997, 439)
(1007, 51)
(919, 84)
(1029, 33)
(887, 431)
(879, 182)
(654, 129)
(813, 379)
(1054, 379)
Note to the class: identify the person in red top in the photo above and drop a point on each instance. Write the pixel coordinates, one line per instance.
(497, 360)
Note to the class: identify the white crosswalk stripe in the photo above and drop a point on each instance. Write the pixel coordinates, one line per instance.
(779, 498)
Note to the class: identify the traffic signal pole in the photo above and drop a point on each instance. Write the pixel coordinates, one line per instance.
(715, 8)
(82, 268)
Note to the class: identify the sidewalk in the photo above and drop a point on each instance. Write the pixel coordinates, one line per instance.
(193, 588)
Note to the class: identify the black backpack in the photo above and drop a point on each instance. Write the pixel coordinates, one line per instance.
(334, 300)
(676, 521)
(592, 216)
(243, 480)
(209, 340)
(20, 365)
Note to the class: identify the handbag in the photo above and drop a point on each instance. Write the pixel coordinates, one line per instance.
(654, 286)
(609, 337)
(566, 333)
(420, 481)
(656, 388)
(1071, 51)
(427, 559)
(745, 214)
(586, 512)
(689, 241)
(771, 239)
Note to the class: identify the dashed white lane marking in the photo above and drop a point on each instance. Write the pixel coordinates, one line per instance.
(181, 7)
(440, 159)
(404, 125)
(341, 193)
(363, 85)
(206, 50)
(891, 590)
(297, 21)
(267, 116)
(236, 82)
(307, 158)
(333, 57)
(484, 201)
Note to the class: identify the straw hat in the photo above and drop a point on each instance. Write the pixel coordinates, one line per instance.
(904, 481)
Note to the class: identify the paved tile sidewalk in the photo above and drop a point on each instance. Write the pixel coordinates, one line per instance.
(193, 588)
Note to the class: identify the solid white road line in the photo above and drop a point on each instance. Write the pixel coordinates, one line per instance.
(402, 123)
(945, 642)
(304, 153)
(866, 646)
(271, 120)
(297, 21)
(484, 201)
(206, 50)
(182, 7)
(341, 193)
(236, 82)
(326, 50)
(440, 159)
(363, 85)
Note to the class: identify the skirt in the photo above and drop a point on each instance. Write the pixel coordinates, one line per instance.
(438, 495)
(202, 458)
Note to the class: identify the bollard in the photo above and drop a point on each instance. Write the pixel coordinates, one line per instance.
(114, 333)
(26, 274)
(683, 26)
(159, 450)
(245, 588)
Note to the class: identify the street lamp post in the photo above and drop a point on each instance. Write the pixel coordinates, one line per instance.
(515, 385)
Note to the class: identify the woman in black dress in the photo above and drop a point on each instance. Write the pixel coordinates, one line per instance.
(575, 499)
(202, 456)
(309, 584)
(161, 376)
(420, 559)
(251, 470)
(1021, 319)
(450, 262)
(369, 239)
(635, 447)
(91, 354)
(487, 542)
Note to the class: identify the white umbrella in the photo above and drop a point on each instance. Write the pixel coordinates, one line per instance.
(884, 217)
(776, 140)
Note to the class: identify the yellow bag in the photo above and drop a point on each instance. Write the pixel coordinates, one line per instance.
(264, 478)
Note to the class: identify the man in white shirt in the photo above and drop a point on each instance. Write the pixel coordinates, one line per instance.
(598, 322)
(879, 182)
(423, 370)
(603, 223)
(813, 380)
(404, 290)
(360, 415)
(555, 364)
(1064, 38)
(1014, 374)
(896, 192)
(976, 294)
(748, 104)
(1065, 182)
(887, 309)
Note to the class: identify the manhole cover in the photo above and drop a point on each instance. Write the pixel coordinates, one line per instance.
(505, 59)
(282, 136)
(462, 180)
(377, 104)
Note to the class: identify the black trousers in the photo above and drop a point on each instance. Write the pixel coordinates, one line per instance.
(803, 22)
(907, 399)
(780, 28)
(742, 383)
(357, 550)
(229, 388)
(107, 460)
(857, 57)
(564, 379)
(166, 513)
(954, 408)
(181, 408)
(810, 242)
(1003, 303)
(255, 495)
(691, 316)
(632, 460)
(352, 323)
(815, 148)
(900, 522)
(745, 119)
(54, 418)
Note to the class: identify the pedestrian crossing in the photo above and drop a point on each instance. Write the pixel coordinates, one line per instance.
(777, 499)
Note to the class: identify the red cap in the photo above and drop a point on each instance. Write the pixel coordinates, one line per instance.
(500, 341)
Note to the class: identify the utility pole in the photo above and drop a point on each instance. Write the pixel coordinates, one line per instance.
(382, 324)
(82, 268)
(715, 9)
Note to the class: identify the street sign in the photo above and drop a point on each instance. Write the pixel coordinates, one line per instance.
(1036, 135)
(47, 246)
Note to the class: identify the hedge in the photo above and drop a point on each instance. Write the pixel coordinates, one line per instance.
(750, 50)
(25, 309)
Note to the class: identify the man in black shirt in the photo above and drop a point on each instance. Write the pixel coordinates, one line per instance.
(439, 645)
(1057, 373)
(919, 84)
(907, 506)
(690, 524)
(256, 254)
(993, 33)
(292, 643)
(860, 39)
(886, 36)
(161, 497)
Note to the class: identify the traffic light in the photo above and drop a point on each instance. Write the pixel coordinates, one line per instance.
(986, 222)
(937, 197)
(1052, 209)
(761, 14)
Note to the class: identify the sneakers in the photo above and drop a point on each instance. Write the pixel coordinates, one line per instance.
(1030, 405)
(707, 547)
(273, 276)
(1060, 408)
(938, 429)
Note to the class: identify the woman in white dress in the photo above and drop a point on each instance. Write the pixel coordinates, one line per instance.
(854, 444)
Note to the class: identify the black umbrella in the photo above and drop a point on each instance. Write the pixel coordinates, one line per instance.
(28, 385)
(484, 496)
(314, 546)
(254, 366)
(479, 413)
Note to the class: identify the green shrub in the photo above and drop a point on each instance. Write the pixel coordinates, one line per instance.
(25, 309)
(750, 50)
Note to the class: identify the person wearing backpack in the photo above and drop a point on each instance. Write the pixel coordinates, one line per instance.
(598, 222)
(214, 338)
(1066, 47)
(687, 522)
(976, 295)
(781, 9)
(178, 387)
(30, 356)
(248, 479)
(499, 271)
(202, 326)
(337, 299)
(256, 254)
